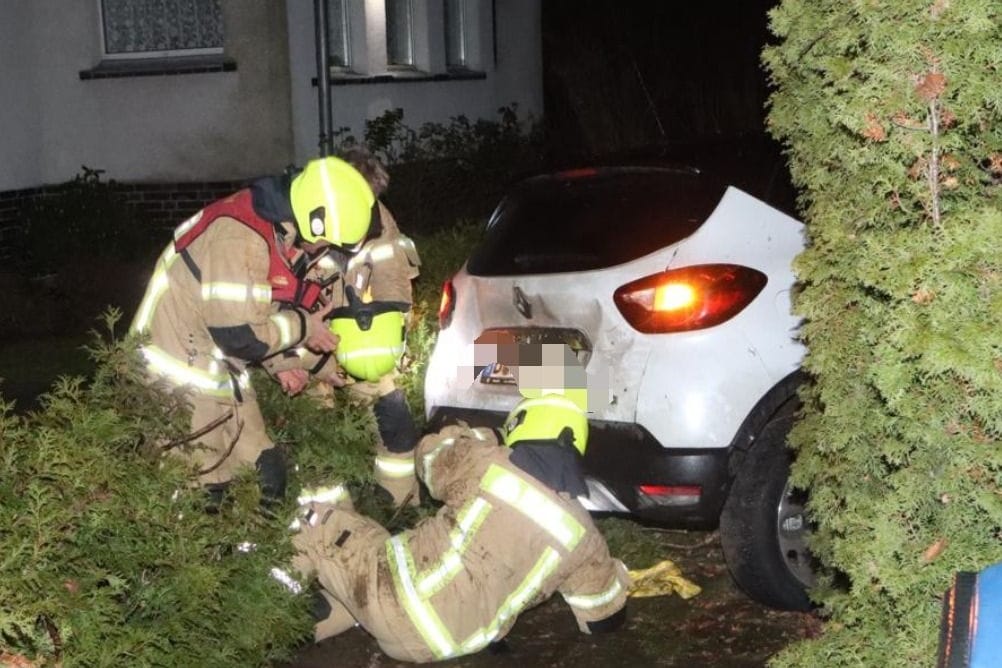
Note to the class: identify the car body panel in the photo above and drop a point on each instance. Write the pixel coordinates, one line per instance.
(689, 390)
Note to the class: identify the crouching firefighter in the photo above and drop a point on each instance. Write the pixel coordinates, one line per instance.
(208, 310)
(371, 292)
(510, 535)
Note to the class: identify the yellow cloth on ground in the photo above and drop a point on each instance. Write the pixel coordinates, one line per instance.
(661, 579)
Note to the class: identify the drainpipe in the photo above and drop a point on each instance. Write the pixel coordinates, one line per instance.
(323, 78)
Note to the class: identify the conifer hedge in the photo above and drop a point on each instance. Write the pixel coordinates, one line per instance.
(107, 557)
(891, 113)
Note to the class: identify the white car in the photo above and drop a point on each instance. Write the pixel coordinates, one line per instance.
(673, 286)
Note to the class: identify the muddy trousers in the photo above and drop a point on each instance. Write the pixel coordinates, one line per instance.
(231, 435)
(343, 549)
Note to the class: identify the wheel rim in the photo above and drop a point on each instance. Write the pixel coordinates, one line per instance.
(792, 529)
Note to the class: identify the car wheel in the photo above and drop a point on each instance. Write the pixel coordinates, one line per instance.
(764, 527)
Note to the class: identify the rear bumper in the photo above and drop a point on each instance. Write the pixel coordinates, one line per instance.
(624, 457)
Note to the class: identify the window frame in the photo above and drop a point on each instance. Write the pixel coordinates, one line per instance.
(160, 54)
(346, 42)
(462, 21)
(410, 63)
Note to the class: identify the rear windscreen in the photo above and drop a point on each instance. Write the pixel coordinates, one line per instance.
(592, 220)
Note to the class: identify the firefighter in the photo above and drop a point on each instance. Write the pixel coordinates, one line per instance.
(509, 535)
(226, 292)
(371, 292)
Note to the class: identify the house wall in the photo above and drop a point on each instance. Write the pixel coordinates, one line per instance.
(430, 94)
(224, 125)
(20, 159)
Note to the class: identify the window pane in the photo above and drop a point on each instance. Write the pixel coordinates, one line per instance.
(138, 26)
(455, 33)
(578, 223)
(398, 33)
(337, 33)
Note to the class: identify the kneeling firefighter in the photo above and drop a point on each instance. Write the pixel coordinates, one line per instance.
(509, 535)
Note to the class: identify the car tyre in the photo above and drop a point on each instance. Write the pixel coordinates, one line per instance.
(763, 526)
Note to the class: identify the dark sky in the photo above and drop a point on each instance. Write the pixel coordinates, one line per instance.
(628, 73)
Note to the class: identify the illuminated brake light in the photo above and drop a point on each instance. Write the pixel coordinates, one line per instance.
(447, 305)
(687, 299)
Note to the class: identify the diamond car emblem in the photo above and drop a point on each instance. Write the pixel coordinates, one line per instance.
(521, 303)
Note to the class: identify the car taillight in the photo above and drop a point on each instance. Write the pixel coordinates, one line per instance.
(687, 299)
(447, 305)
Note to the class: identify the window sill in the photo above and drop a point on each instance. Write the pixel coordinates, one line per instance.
(349, 79)
(152, 67)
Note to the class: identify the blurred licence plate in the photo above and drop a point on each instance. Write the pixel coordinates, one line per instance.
(500, 374)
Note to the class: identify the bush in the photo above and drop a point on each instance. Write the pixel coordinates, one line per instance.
(108, 556)
(892, 116)
(441, 173)
(84, 217)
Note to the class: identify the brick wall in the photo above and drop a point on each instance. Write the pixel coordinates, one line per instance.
(160, 205)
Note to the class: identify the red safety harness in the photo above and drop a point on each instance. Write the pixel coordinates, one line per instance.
(285, 285)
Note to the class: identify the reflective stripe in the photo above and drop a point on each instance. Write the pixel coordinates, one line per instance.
(332, 494)
(557, 400)
(183, 228)
(371, 352)
(381, 252)
(236, 292)
(468, 522)
(429, 458)
(157, 286)
(421, 613)
(532, 503)
(395, 467)
(287, 580)
(331, 212)
(478, 433)
(588, 602)
(261, 293)
(516, 601)
(281, 321)
(180, 373)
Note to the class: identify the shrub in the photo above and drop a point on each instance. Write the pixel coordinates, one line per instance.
(84, 217)
(444, 172)
(892, 115)
(108, 556)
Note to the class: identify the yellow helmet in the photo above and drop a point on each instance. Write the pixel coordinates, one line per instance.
(372, 338)
(546, 418)
(331, 202)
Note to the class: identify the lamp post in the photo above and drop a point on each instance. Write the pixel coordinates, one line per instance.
(323, 78)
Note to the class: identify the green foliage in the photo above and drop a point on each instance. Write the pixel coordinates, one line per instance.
(442, 254)
(443, 172)
(892, 117)
(108, 558)
(82, 217)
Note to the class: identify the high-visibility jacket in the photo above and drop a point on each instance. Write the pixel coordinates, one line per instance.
(503, 542)
(208, 306)
(382, 270)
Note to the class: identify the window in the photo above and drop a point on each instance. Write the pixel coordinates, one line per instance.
(399, 38)
(338, 43)
(455, 34)
(161, 28)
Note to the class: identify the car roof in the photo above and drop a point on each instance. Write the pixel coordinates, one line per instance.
(755, 165)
